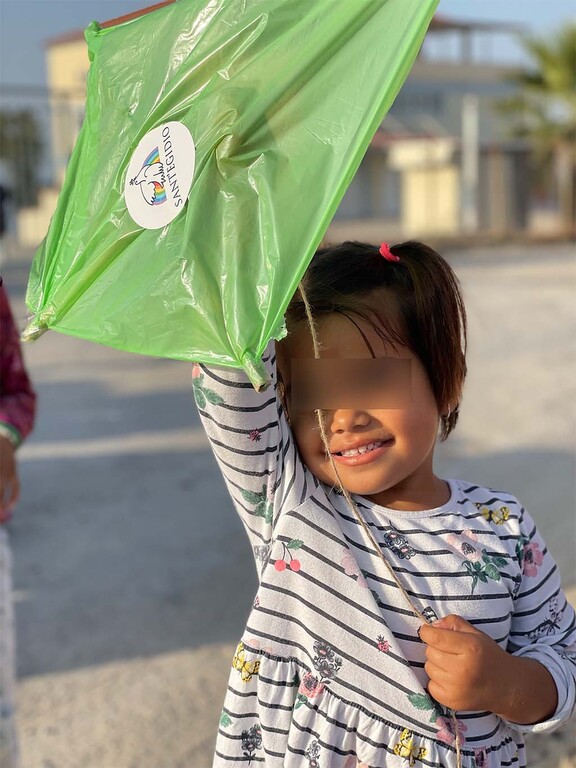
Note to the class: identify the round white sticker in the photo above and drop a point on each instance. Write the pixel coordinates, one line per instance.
(160, 175)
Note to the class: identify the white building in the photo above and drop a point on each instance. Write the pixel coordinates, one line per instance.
(422, 175)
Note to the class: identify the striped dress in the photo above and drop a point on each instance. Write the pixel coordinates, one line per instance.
(329, 672)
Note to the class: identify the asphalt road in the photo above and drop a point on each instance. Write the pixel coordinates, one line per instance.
(133, 576)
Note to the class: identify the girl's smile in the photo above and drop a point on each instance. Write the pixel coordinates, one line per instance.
(364, 452)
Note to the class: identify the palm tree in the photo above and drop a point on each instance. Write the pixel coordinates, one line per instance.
(544, 110)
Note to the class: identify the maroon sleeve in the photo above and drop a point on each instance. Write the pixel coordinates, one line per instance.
(17, 398)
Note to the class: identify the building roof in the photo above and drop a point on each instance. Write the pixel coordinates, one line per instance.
(440, 23)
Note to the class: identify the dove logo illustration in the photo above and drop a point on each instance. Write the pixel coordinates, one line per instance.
(159, 175)
(151, 179)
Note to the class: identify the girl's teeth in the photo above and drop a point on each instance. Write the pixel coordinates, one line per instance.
(362, 449)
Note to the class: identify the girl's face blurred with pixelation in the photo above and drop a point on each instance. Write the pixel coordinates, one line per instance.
(380, 415)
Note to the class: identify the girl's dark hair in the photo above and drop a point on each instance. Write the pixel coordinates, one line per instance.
(427, 314)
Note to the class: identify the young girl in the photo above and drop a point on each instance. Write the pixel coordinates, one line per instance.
(401, 619)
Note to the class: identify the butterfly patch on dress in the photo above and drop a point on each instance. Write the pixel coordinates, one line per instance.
(406, 748)
(246, 668)
(496, 516)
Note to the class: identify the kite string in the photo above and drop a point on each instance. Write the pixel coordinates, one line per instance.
(320, 417)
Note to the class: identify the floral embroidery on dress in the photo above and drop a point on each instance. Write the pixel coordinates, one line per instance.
(201, 392)
(292, 563)
(533, 559)
(447, 731)
(327, 665)
(408, 750)
(313, 754)
(424, 702)
(487, 569)
(517, 583)
(382, 644)
(326, 662)
(251, 741)
(225, 719)
(351, 568)
(255, 435)
(309, 688)
(398, 544)
(463, 542)
(520, 543)
(497, 516)
(550, 625)
(261, 552)
(246, 668)
(262, 507)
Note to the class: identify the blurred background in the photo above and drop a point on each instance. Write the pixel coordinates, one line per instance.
(480, 140)
(132, 576)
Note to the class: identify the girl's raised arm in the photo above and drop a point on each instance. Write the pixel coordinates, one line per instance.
(253, 445)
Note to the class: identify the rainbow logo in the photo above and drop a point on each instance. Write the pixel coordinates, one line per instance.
(151, 179)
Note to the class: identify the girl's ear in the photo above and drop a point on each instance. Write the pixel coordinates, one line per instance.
(449, 417)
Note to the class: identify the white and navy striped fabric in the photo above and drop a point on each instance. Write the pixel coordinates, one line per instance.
(329, 672)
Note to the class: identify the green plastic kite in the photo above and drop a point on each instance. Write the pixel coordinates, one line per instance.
(219, 139)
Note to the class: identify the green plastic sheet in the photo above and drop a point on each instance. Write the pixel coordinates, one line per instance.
(264, 109)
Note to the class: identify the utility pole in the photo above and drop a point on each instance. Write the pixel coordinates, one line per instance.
(470, 162)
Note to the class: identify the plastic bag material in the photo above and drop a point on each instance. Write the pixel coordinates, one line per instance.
(218, 141)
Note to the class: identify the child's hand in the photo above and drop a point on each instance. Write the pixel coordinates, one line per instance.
(469, 671)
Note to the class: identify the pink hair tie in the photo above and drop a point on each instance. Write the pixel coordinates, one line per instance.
(387, 253)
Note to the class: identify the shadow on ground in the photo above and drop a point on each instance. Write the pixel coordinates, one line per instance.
(134, 555)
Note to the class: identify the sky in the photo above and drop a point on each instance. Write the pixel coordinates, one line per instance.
(25, 25)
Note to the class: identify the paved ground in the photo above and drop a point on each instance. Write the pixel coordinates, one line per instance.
(132, 575)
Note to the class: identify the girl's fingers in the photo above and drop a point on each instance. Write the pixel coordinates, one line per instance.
(440, 659)
(439, 675)
(456, 624)
(446, 640)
